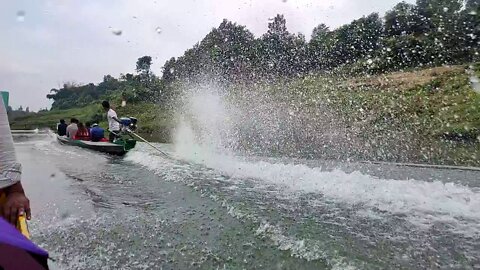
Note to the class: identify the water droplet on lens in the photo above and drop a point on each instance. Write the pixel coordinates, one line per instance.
(369, 61)
(158, 30)
(172, 70)
(117, 32)
(20, 15)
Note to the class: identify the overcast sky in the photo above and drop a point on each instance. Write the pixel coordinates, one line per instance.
(66, 40)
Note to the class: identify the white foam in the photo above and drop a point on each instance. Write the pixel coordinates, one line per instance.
(419, 200)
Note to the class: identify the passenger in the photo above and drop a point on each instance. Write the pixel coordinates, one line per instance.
(97, 133)
(88, 126)
(15, 202)
(113, 122)
(83, 133)
(72, 128)
(62, 128)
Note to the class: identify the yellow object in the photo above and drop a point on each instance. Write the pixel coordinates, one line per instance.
(22, 225)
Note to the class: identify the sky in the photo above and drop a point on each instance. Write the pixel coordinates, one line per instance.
(44, 43)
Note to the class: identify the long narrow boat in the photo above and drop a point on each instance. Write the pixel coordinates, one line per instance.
(119, 147)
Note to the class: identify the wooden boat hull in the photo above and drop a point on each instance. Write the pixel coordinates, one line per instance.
(119, 148)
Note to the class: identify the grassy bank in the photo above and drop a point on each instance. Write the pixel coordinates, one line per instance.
(430, 116)
(427, 116)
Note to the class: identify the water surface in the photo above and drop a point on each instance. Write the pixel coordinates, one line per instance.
(93, 211)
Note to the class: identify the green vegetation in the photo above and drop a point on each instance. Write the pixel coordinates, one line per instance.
(429, 115)
(51, 118)
(430, 33)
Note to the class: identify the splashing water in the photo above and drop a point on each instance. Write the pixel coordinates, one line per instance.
(208, 134)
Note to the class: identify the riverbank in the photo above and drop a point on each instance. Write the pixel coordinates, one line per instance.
(420, 116)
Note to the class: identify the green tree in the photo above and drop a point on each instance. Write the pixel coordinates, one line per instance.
(143, 65)
(468, 33)
(319, 46)
(168, 75)
(277, 50)
(403, 19)
(320, 32)
(439, 14)
(357, 40)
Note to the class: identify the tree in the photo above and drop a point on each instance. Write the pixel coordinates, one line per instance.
(227, 50)
(168, 69)
(357, 40)
(318, 48)
(277, 49)
(320, 32)
(468, 32)
(145, 76)
(27, 110)
(108, 78)
(278, 26)
(143, 65)
(439, 14)
(403, 19)
(127, 77)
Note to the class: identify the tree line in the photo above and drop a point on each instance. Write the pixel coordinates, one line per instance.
(428, 33)
(142, 86)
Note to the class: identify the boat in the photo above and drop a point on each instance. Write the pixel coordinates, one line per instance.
(119, 147)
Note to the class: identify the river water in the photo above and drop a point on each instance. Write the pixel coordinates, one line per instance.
(144, 211)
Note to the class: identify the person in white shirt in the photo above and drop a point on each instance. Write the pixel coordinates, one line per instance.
(113, 122)
(15, 202)
(72, 128)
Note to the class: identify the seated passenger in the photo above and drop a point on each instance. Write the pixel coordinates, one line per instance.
(62, 128)
(83, 133)
(89, 127)
(72, 128)
(97, 133)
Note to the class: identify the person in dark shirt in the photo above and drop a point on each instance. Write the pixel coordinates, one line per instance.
(96, 133)
(62, 128)
(88, 125)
